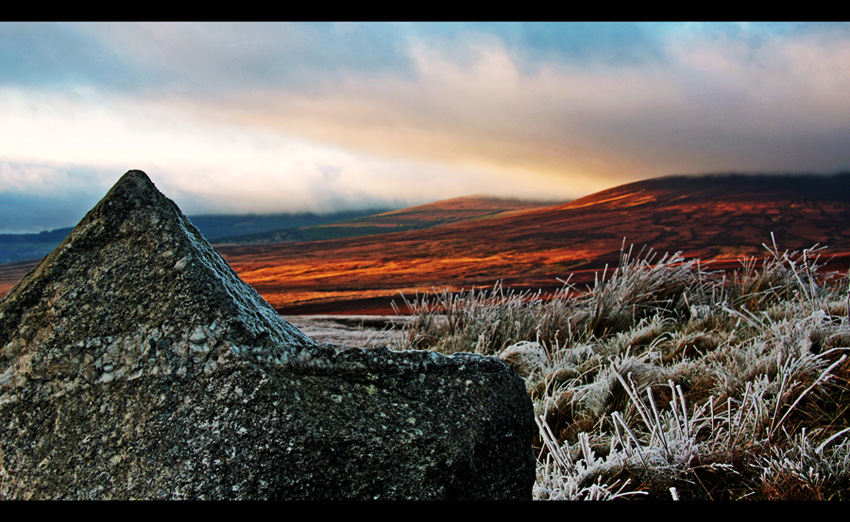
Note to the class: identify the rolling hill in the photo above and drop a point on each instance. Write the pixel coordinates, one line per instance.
(413, 218)
(466, 242)
(15, 248)
(721, 218)
(25, 249)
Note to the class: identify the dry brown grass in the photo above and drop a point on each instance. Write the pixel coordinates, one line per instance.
(667, 380)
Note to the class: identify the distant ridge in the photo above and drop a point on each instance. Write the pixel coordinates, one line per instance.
(714, 217)
(721, 217)
(412, 218)
(220, 227)
(296, 226)
(22, 251)
(733, 185)
(232, 227)
(22, 247)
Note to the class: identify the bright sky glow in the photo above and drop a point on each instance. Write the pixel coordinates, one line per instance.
(284, 117)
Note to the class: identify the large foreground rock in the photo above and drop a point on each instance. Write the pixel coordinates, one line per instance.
(134, 363)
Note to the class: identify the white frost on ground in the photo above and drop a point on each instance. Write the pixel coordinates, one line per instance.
(367, 331)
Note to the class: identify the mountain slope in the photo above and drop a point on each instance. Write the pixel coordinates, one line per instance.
(718, 218)
(413, 218)
(220, 227)
(714, 217)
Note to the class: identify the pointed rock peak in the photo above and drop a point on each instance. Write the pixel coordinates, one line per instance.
(135, 187)
(133, 192)
(134, 363)
(135, 265)
(134, 184)
(136, 178)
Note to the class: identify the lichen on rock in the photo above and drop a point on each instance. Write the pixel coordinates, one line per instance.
(134, 363)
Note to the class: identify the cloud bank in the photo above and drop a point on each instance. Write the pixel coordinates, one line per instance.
(286, 117)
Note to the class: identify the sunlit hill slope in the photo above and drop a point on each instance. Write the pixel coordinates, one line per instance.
(360, 265)
(720, 218)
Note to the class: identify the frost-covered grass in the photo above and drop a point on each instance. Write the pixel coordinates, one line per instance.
(667, 380)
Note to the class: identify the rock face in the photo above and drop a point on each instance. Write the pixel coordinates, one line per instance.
(134, 363)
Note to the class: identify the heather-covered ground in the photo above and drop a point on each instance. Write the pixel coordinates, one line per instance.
(666, 379)
(718, 218)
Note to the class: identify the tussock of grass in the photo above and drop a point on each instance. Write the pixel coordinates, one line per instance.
(667, 380)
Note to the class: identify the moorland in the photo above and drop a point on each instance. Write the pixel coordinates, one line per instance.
(680, 337)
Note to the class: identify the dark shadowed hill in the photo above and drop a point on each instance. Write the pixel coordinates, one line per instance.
(24, 247)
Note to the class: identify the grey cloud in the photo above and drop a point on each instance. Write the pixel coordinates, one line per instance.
(213, 56)
(613, 43)
(30, 213)
(49, 54)
(205, 57)
(62, 197)
(218, 56)
(619, 100)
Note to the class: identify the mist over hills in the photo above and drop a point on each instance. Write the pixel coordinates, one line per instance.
(362, 263)
(466, 208)
(221, 227)
(718, 218)
(301, 226)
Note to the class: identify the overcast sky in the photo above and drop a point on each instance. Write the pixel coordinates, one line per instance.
(285, 117)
